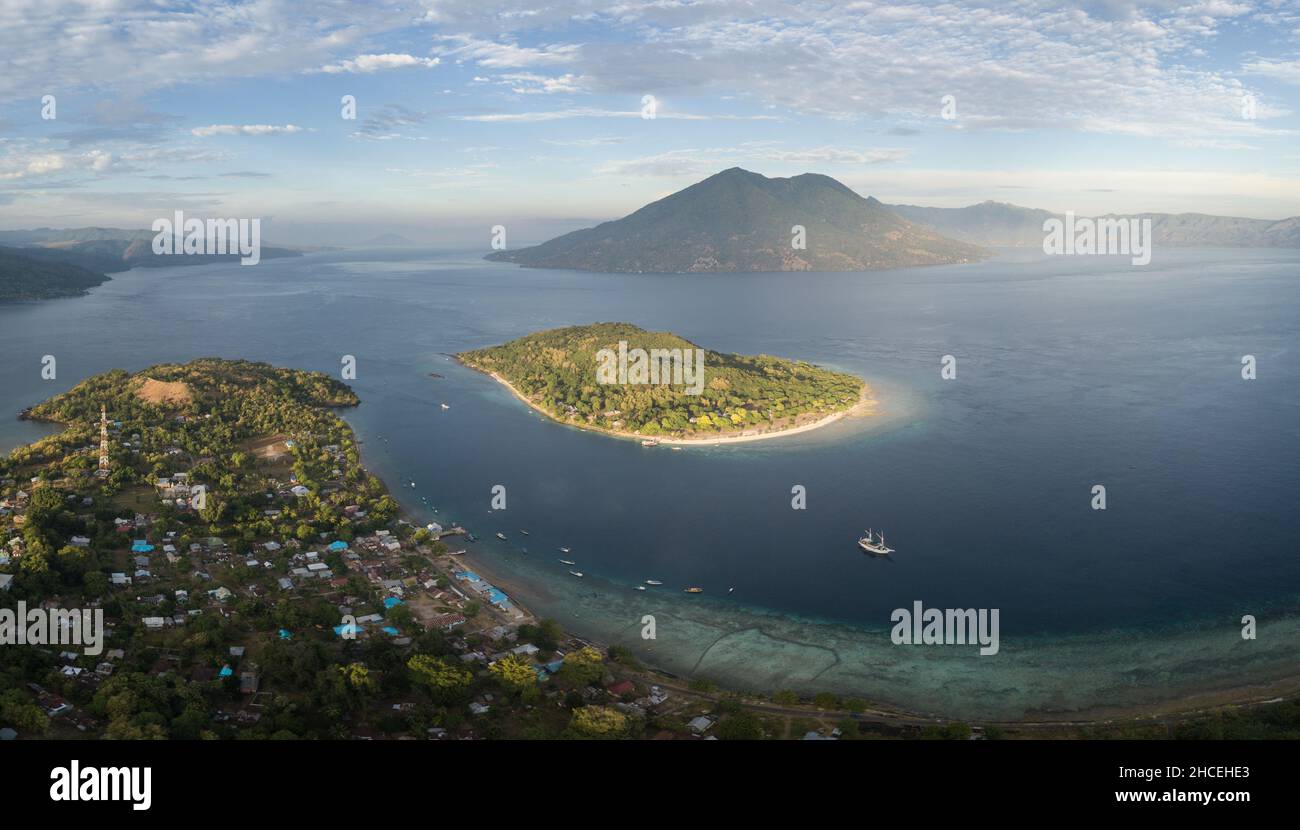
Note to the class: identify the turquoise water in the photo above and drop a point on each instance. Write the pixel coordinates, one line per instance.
(1071, 372)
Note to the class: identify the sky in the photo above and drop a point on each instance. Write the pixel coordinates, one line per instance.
(471, 114)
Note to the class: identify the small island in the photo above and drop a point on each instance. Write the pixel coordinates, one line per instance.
(620, 379)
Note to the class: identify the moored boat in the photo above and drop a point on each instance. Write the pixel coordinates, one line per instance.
(876, 548)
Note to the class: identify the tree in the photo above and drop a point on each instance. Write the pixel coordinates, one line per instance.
(599, 722)
(515, 674)
(443, 681)
(582, 667)
(742, 726)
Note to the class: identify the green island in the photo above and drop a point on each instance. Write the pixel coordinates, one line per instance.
(736, 397)
(256, 582)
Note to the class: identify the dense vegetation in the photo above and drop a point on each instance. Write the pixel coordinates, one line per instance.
(738, 221)
(556, 370)
(25, 277)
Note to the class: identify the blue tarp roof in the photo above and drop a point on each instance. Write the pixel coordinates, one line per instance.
(388, 629)
(285, 634)
(225, 672)
(338, 545)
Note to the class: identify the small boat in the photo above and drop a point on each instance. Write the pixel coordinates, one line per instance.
(412, 483)
(640, 587)
(471, 537)
(526, 533)
(873, 547)
(578, 574)
(653, 582)
(501, 536)
(731, 590)
(444, 406)
(564, 550)
(649, 442)
(567, 562)
(693, 590)
(456, 552)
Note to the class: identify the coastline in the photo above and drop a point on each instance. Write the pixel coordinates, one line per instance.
(865, 407)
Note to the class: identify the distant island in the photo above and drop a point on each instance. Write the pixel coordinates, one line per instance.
(739, 221)
(740, 398)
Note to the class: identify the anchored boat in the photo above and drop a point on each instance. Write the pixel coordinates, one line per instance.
(876, 548)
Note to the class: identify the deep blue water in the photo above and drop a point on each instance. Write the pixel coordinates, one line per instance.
(1072, 372)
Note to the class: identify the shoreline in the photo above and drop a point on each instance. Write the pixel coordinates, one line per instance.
(864, 408)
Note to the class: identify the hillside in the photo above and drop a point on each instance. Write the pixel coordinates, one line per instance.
(556, 371)
(25, 277)
(112, 249)
(738, 221)
(1003, 225)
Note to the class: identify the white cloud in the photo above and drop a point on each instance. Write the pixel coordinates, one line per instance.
(1285, 71)
(377, 63)
(245, 129)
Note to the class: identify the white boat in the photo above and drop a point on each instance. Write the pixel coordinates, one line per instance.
(577, 574)
(444, 406)
(564, 550)
(567, 562)
(455, 552)
(653, 582)
(640, 587)
(876, 548)
(649, 442)
(526, 533)
(501, 536)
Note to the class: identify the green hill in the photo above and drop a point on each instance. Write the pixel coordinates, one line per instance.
(24, 277)
(738, 221)
(557, 372)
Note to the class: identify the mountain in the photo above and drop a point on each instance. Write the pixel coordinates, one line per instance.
(24, 277)
(112, 249)
(1002, 225)
(738, 221)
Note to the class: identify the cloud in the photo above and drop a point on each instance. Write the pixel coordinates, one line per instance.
(244, 129)
(596, 112)
(493, 55)
(698, 162)
(1285, 71)
(378, 63)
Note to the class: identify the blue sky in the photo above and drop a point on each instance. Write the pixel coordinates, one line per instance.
(474, 114)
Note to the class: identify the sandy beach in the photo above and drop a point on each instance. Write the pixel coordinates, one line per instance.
(864, 408)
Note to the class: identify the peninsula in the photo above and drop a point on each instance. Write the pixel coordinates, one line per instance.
(625, 381)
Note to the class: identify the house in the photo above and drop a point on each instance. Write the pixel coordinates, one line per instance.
(701, 724)
(248, 682)
(623, 687)
(153, 623)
